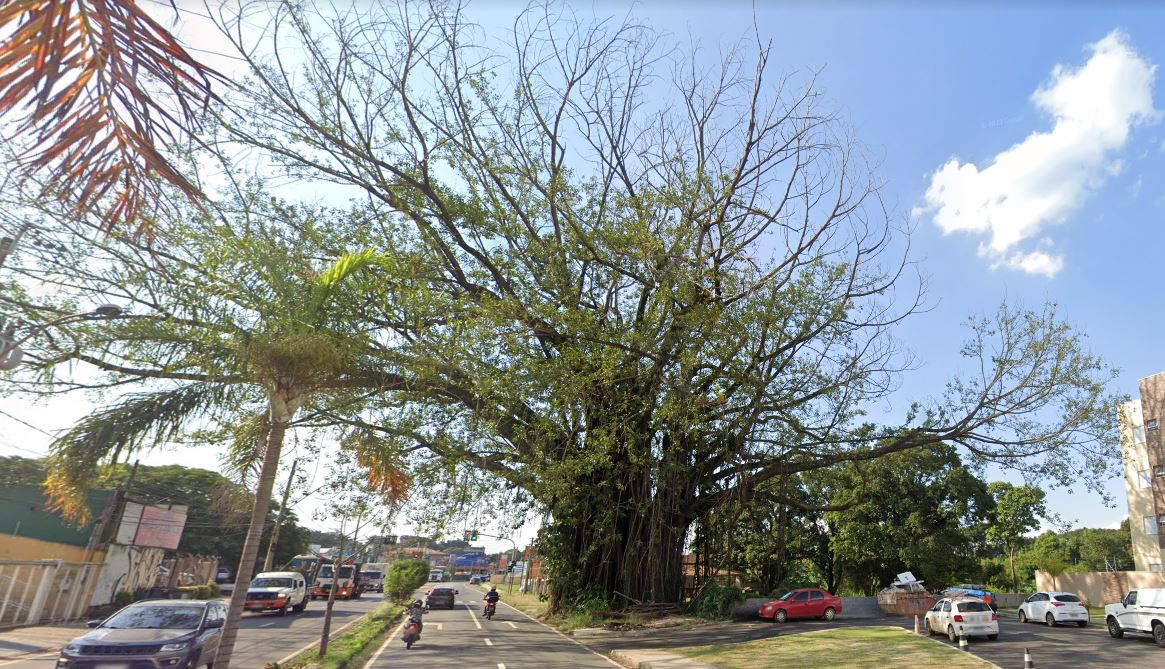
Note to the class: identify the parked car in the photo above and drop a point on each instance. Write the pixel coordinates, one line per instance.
(278, 591)
(159, 633)
(1053, 608)
(802, 603)
(222, 575)
(960, 616)
(1141, 610)
(441, 598)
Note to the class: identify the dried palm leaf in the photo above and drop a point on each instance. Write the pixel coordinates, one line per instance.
(87, 75)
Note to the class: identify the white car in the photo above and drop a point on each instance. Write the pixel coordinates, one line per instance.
(1141, 610)
(1053, 608)
(960, 616)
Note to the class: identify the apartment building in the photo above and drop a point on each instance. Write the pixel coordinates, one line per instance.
(1143, 447)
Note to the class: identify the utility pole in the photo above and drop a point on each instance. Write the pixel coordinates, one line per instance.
(274, 541)
(97, 537)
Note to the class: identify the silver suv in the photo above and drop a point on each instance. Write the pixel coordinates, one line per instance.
(159, 634)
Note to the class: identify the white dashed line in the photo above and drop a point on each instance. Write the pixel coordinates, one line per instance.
(376, 656)
(266, 625)
(511, 624)
(501, 666)
(440, 627)
(488, 642)
(473, 615)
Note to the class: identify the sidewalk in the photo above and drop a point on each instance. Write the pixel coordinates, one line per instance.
(655, 659)
(36, 640)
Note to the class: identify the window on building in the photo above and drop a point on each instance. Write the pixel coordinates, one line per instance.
(1151, 424)
(1150, 524)
(1159, 470)
(1143, 479)
(1156, 567)
(1139, 434)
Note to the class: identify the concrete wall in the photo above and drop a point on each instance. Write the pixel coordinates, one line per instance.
(126, 568)
(1100, 587)
(27, 548)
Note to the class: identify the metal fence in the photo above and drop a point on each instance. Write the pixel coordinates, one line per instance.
(34, 592)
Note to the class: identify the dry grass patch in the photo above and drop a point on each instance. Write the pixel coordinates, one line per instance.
(851, 647)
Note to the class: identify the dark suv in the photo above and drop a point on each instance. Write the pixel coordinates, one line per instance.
(441, 598)
(160, 634)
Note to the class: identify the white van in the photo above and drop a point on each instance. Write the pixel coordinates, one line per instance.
(279, 591)
(1142, 610)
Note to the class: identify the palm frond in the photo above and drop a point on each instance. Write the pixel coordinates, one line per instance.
(138, 421)
(384, 462)
(88, 73)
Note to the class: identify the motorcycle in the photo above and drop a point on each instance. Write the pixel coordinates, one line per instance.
(490, 607)
(412, 628)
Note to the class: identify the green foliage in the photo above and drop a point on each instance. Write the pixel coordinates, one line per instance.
(404, 577)
(717, 601)
(353, 647)
(204, 591)
(1018, 510)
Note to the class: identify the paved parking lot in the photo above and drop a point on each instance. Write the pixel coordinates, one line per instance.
(1066, 647)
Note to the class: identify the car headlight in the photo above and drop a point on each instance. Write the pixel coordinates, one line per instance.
(171, 647)
(72, 648)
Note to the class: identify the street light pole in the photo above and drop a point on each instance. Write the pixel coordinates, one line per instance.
(10, 353)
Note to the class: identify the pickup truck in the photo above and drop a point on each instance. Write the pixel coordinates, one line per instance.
(1141, 610)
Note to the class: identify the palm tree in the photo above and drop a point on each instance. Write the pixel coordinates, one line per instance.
(86, 74)
(241, 326)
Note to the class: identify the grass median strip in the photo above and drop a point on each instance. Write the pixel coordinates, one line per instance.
(354, 646)
(856, 648)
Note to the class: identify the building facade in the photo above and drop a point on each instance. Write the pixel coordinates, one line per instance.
(1143, 448)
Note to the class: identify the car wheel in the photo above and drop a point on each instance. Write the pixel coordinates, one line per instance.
(830, 614)
(1050, 620)
(951, 634)
(780, 616)
(926, 627)
(1022, 616)
(283, 611)
(1114, 629)
(1159, 634)
(992, 637)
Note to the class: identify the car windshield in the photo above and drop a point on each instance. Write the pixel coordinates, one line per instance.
(156, 617)
(1067, 598)
(973, 606)
(326, 571)
(272, 583)
(787, 595)
(442, 591)
(373, 574)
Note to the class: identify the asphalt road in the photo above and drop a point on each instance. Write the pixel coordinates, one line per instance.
(461, 637)
(264, 638)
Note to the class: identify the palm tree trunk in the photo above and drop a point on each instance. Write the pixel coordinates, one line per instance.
(279, 421)
(273, 542)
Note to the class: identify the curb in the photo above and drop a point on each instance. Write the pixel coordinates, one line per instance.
(636, 659)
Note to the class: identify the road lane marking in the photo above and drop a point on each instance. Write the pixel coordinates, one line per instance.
(473, 615)
(511, 624)
(376, 656)
(440, 627)
(488, 642)
(574, 641)
(501, 666)
(266, 625)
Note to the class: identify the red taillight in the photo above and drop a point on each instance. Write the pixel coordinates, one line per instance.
(958, 618)
(1057, 603)
(994, 616)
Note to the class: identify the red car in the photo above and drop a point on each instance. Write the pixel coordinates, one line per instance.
(802, 603)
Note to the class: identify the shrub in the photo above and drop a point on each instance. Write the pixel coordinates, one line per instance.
(717, 601)
(404, 577)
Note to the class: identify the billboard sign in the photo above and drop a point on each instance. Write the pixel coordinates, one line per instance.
(471, 561)
(160, 528)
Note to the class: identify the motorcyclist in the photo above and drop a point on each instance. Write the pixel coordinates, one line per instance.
(492, 596)
(416, 611)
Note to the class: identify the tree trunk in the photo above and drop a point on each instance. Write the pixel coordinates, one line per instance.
(1014, 579)
(336, 566)
(278, 427)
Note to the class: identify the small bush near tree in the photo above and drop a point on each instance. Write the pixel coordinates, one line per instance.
(404, 577)
(717, 601)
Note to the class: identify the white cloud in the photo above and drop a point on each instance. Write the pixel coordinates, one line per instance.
(1041, 180)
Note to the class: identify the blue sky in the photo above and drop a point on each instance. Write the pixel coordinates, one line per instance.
(924, 86)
